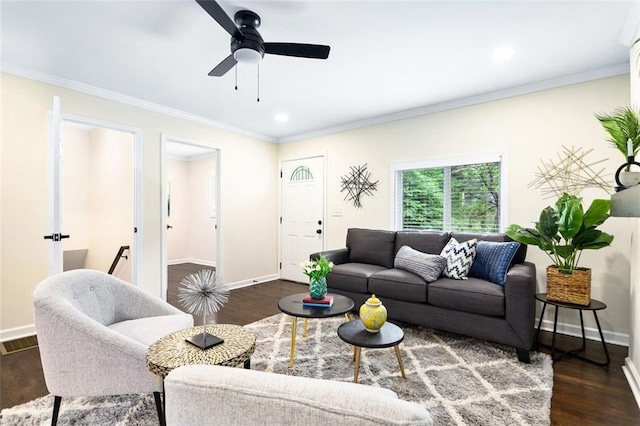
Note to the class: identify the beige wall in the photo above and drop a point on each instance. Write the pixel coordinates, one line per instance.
(248, 177)
(193, 236)
(527, 128)
(97, 196)
(76, 184)
(112, 208)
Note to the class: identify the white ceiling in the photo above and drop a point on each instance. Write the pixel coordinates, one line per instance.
(386, 56)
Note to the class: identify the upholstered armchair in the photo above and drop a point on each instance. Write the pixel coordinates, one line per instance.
(93, 332)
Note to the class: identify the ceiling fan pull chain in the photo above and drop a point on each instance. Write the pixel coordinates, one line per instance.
(236, 77)
(258, 83)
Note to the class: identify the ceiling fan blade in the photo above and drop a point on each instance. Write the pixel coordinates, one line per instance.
(223, 67)
(213, 8)
(315, 51)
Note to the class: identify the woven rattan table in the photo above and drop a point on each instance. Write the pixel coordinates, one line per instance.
(172, 351)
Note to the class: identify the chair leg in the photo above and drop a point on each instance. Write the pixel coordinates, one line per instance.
(56, 409)
(524, 355)
(158, 399)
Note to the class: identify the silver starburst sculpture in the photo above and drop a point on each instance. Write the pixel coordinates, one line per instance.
(203, 293)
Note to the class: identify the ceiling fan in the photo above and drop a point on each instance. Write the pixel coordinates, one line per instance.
(247, 44)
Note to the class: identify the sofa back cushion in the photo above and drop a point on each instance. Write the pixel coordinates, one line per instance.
(520, 255)
(371, 246)
(431, 242)
(237, 396)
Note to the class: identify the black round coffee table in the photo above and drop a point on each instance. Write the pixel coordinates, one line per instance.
(292, 305)
(354, 333)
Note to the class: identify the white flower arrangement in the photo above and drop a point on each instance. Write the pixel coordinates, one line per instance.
(318, 268)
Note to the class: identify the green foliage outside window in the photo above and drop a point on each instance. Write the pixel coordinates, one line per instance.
(473, 196)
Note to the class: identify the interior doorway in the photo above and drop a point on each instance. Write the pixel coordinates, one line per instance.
(190, 226)
(97, 196)
(94, 186)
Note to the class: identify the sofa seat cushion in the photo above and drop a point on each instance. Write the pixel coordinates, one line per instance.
(472, 295)
(399, 285)
(352, 276)
(148, 330)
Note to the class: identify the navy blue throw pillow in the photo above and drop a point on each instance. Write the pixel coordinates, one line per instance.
(492, 261)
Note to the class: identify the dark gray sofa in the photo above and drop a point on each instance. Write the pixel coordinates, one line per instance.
(473, 307)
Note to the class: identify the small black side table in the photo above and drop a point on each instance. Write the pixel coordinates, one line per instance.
(354, 333)
(594, 306)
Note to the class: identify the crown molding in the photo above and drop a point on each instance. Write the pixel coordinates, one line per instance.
(582, 77)
(124, 99)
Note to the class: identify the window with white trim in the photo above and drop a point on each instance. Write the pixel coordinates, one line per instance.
(453, 195)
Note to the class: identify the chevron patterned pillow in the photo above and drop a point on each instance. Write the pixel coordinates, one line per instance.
(459, 258)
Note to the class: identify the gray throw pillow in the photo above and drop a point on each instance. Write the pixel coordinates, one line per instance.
(428, 266)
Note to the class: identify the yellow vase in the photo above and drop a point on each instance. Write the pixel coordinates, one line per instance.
(373, 314)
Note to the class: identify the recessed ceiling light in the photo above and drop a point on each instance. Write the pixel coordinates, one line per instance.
(282, 117)
(503, 54)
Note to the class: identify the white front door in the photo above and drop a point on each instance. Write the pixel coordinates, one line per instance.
(302, 231)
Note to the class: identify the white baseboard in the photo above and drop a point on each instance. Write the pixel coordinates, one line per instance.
(17, 332)
(252, 281)
(633, 378)
(589, 332)
(190, 260)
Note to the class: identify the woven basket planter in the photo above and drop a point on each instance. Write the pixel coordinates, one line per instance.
(574, 287)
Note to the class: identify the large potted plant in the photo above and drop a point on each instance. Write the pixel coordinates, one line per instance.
(623, 127)
(562, 232)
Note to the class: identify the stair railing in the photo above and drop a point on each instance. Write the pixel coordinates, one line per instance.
(119, 256)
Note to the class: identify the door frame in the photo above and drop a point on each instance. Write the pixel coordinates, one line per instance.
(136, 248)
(164, 138)
(324, 156)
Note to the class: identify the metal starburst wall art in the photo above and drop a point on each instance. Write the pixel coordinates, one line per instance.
(203, 293)
(357, 183)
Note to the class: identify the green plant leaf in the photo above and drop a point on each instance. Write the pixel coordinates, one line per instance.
(595, 240)
(548, 224)
(565, 251)
(570, 217)
(523, 235)
(597, 213)
(622, 124)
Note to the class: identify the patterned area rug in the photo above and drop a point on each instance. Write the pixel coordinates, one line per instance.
(461, 380)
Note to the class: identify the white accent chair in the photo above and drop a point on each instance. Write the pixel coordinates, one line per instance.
(209, 394)
(93, 332)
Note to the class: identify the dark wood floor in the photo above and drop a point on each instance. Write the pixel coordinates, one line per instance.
(583, 394)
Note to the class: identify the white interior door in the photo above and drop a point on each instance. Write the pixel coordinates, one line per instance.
(302, 231)
(55, 168)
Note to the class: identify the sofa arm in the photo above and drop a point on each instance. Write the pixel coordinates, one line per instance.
(519, 291)
(338, 256)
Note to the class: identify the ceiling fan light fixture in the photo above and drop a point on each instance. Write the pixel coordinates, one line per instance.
(247, 56)
(503, 54)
